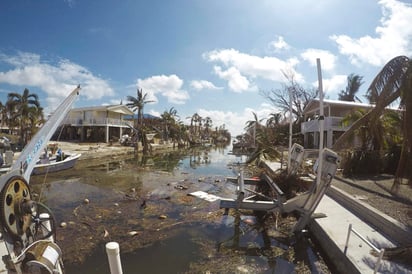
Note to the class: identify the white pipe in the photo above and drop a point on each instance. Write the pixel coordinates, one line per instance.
(46, 227)
(321, 122)
(113, 255)
(290, 128)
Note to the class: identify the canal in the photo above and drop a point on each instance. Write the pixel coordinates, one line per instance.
(143, 204)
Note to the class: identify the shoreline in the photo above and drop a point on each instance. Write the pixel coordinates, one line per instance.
(95, 150)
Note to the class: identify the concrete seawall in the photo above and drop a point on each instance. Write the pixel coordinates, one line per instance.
(331, 232)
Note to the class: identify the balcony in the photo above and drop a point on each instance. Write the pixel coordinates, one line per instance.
(331, 123)
(97, 122)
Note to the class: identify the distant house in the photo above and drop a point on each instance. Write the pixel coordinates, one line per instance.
(334, 112)
(95, 124)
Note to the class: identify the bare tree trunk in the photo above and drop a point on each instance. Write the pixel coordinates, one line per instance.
(401, 167)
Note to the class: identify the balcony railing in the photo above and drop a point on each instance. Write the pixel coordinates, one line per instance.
(97, 122)
(331, 123)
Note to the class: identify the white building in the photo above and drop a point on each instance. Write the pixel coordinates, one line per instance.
(334, 112)
(96, 124)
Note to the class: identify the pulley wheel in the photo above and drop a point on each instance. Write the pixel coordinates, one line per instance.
(14, 221)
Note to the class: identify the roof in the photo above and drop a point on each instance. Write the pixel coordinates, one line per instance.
(314, 104)
(123, 109)
(145, 116)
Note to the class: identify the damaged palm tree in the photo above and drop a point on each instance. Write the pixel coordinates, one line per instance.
(393, 82)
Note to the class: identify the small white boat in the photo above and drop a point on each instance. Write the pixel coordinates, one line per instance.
(54, 164)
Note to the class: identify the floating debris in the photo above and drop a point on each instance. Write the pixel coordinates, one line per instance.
(181, 187)
(86, 201)
(105, 234)
(132, 233)
(162, 217)
(63, 224)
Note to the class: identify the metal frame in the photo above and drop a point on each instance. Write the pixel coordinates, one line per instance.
(380, 251)
(304, 203)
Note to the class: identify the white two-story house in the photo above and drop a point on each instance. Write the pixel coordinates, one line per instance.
(334, 112)
(95, 124)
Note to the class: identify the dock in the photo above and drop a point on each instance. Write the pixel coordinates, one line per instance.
(371, 230)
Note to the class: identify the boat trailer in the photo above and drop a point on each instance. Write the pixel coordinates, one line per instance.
(304, 203)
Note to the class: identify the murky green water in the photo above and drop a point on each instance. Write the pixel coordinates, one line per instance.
(195, 237)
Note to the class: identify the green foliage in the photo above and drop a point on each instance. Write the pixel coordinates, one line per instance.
(354, 83)
(23, 111)
(371, 162)
(359, 162)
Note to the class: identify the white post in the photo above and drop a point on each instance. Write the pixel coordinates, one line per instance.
(113, 254)
(290, 128)
(321, 123)
(46, 227)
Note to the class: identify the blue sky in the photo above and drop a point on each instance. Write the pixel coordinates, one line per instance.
(210, 57)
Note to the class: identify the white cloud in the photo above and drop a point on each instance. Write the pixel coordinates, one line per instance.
(71, 3)
(57, 80)
(235, 122)
(167, 86)
(393, 37)
(155, 113)
(279, 44)
(203, 84)
(116, 102)
(236, 81)
(327, 59)
(240, 68)
(333, 86)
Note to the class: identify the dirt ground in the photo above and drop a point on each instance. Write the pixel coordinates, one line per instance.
(376, 191)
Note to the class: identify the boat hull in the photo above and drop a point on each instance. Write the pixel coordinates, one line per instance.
(55, 166)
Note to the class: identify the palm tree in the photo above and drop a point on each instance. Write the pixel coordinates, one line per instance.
(195, 122)
(3, 114)
(36, 119)
(274, 119)
(361, 132)
(24, 109)
(262, 140)
(208, 124)
(378, 143)
(354, 83)
(169, 120)
(252, 127)
(393, 82)
(137, 104)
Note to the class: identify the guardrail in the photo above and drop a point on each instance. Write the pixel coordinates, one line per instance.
(380, 251)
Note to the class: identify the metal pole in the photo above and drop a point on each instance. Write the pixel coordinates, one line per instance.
(113, 254)
(321, 123)
(290, 128)
(347, 239)
(378, 263)
(241, 189)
